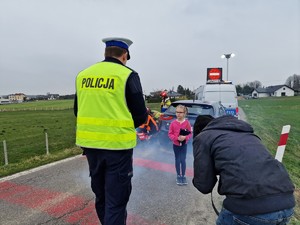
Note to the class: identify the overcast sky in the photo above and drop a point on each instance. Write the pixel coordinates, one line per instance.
(45, 43)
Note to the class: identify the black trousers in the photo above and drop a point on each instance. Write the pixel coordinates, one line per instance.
(111, 172)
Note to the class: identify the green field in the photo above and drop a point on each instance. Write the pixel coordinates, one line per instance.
(23, 127)
(39, 105)
(267, 116)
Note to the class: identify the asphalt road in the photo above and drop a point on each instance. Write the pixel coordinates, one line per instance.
(60, 194)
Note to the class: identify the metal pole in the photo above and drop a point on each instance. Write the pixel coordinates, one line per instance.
(47, 146)
(5, 153)
(227, 67)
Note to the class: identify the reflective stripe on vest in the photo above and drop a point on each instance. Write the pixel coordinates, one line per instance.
(103, 119)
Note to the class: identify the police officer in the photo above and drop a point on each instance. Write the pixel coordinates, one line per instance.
(109, 105)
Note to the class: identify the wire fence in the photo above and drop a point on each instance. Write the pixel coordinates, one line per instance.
(30, 134)
(35, 109)
(10, 154)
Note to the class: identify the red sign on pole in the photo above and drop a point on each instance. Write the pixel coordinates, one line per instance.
(214, 73)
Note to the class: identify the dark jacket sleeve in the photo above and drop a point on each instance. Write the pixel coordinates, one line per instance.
(204, 172)
(135, 99)
(75, 107)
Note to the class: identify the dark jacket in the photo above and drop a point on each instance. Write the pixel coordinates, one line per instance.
(252, 180)
(134, 97)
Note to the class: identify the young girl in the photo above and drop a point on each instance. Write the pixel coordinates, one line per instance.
(180, 142)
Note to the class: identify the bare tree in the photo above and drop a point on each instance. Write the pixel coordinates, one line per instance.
(293, 82)
(254, 84)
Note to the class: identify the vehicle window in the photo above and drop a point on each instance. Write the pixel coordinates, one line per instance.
(207, 110)
(195, 109)
(201, 110)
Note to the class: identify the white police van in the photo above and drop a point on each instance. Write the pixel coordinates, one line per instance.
(223, 91)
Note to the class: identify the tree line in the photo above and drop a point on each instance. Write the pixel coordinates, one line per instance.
(246, 89)
(242, 89)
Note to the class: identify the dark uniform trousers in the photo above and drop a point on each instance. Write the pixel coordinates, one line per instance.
(111, 172)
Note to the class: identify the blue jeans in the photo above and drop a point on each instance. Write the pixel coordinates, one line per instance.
(275, 218)
(180, 158)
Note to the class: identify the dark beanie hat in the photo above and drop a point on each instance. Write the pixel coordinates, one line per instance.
(200, 123)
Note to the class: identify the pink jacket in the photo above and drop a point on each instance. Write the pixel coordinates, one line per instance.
(174, 130)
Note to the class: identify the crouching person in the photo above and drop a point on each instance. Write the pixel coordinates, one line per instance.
(257, 187)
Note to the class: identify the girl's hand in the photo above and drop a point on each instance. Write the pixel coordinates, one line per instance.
(181, 138)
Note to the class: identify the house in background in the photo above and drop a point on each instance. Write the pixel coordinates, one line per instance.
(173, 94)
(273, 91)
(52, 96)
(18, 97)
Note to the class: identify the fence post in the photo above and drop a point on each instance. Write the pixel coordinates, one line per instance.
(5, 153)
(282, 142)
(46, 139)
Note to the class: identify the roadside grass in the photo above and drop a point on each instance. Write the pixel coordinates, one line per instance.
(24, 130)
(153, 106)
(268, 116)
(39, 105)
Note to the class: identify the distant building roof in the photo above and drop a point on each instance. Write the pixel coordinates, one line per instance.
(261, 90)
(173, 94)
(270, 89)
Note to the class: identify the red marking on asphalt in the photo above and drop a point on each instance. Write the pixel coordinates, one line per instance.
(84, 215)
(155, 165)
(65, 205)
(6, 185)
(55, 204)
(69, 208)
(165, 167)
(283, 139)
(32, 198)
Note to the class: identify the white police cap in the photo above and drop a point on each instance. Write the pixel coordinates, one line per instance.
(117, 41)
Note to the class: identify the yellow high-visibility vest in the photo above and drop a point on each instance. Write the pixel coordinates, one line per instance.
(103, 119)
